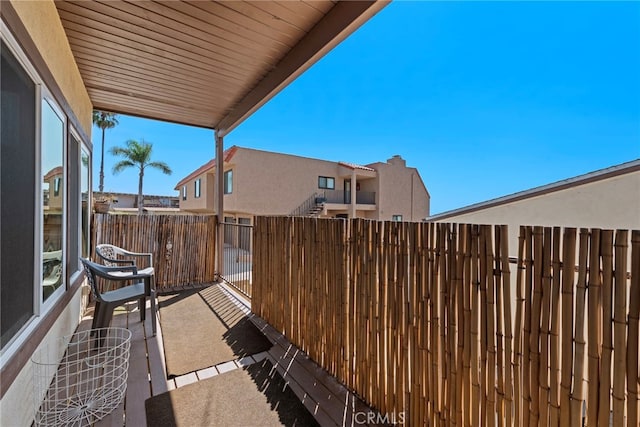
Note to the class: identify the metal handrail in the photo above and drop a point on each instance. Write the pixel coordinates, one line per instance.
(306, 205)
(344, 197)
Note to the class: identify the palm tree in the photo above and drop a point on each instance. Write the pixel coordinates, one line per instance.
(104, 121)
(137, 154)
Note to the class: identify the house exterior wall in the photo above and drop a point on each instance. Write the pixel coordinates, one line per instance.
(400, 191)
(42, 22)
(610, 203)
(17, 405)
(124, 201)
(39, 25)
(205, 202)
(55, 199)
(267, 183)
(129, 200)
(209, 191)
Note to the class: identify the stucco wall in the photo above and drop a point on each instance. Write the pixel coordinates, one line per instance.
(209, 191)
(41, 20)
(267, 183)
(609, 203)
(204, 203)
(17, 405)
(400, 192)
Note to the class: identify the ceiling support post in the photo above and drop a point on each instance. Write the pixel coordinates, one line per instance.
(354, 200)
(219, 203)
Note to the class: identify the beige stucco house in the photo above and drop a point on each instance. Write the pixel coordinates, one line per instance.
(607, 198)
(260, 182)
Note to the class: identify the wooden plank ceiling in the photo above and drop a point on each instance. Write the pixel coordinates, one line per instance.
(203, 63)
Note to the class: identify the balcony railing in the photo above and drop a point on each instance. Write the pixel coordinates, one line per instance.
(344, 197)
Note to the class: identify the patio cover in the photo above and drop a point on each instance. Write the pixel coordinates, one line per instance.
(202, 63)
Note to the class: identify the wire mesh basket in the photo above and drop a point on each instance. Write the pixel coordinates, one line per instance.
(79, 379)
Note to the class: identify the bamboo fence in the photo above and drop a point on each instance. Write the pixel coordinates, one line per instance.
(427, 319)
(183, 246)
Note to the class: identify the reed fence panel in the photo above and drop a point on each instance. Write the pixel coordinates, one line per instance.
(428, 320)
(183, 246)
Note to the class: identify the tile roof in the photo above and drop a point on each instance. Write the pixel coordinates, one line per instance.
(53, 172)
(354, 166)
(227, 156)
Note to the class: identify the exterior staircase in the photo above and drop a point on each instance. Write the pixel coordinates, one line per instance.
(315, 210)
(312, 207)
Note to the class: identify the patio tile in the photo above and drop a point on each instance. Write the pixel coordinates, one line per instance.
(245, 361)
(186, 379)
(207, 373)
(226, 367)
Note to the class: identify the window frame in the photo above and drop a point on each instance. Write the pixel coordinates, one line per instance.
(184, 192)
(396, 218)
(82, 149)
(327, 180)
(57, 294)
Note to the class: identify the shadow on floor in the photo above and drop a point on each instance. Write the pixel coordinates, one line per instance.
(255, 395)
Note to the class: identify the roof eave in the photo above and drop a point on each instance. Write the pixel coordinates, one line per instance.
(598, 175)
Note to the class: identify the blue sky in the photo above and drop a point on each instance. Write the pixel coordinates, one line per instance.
(484, 99)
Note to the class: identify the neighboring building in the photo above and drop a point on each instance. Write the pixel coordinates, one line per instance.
(129, 200)
(52, 208)
(608, 198)
(52, 189)
(265, 183)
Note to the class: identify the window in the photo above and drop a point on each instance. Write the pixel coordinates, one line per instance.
(196, 190)
(326, 182)
(56, 186)
(18, 171)
(228, 182)
(53, 212)
(184, 192)
(397, 218)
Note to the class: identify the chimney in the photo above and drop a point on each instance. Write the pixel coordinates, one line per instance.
(397, 161)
